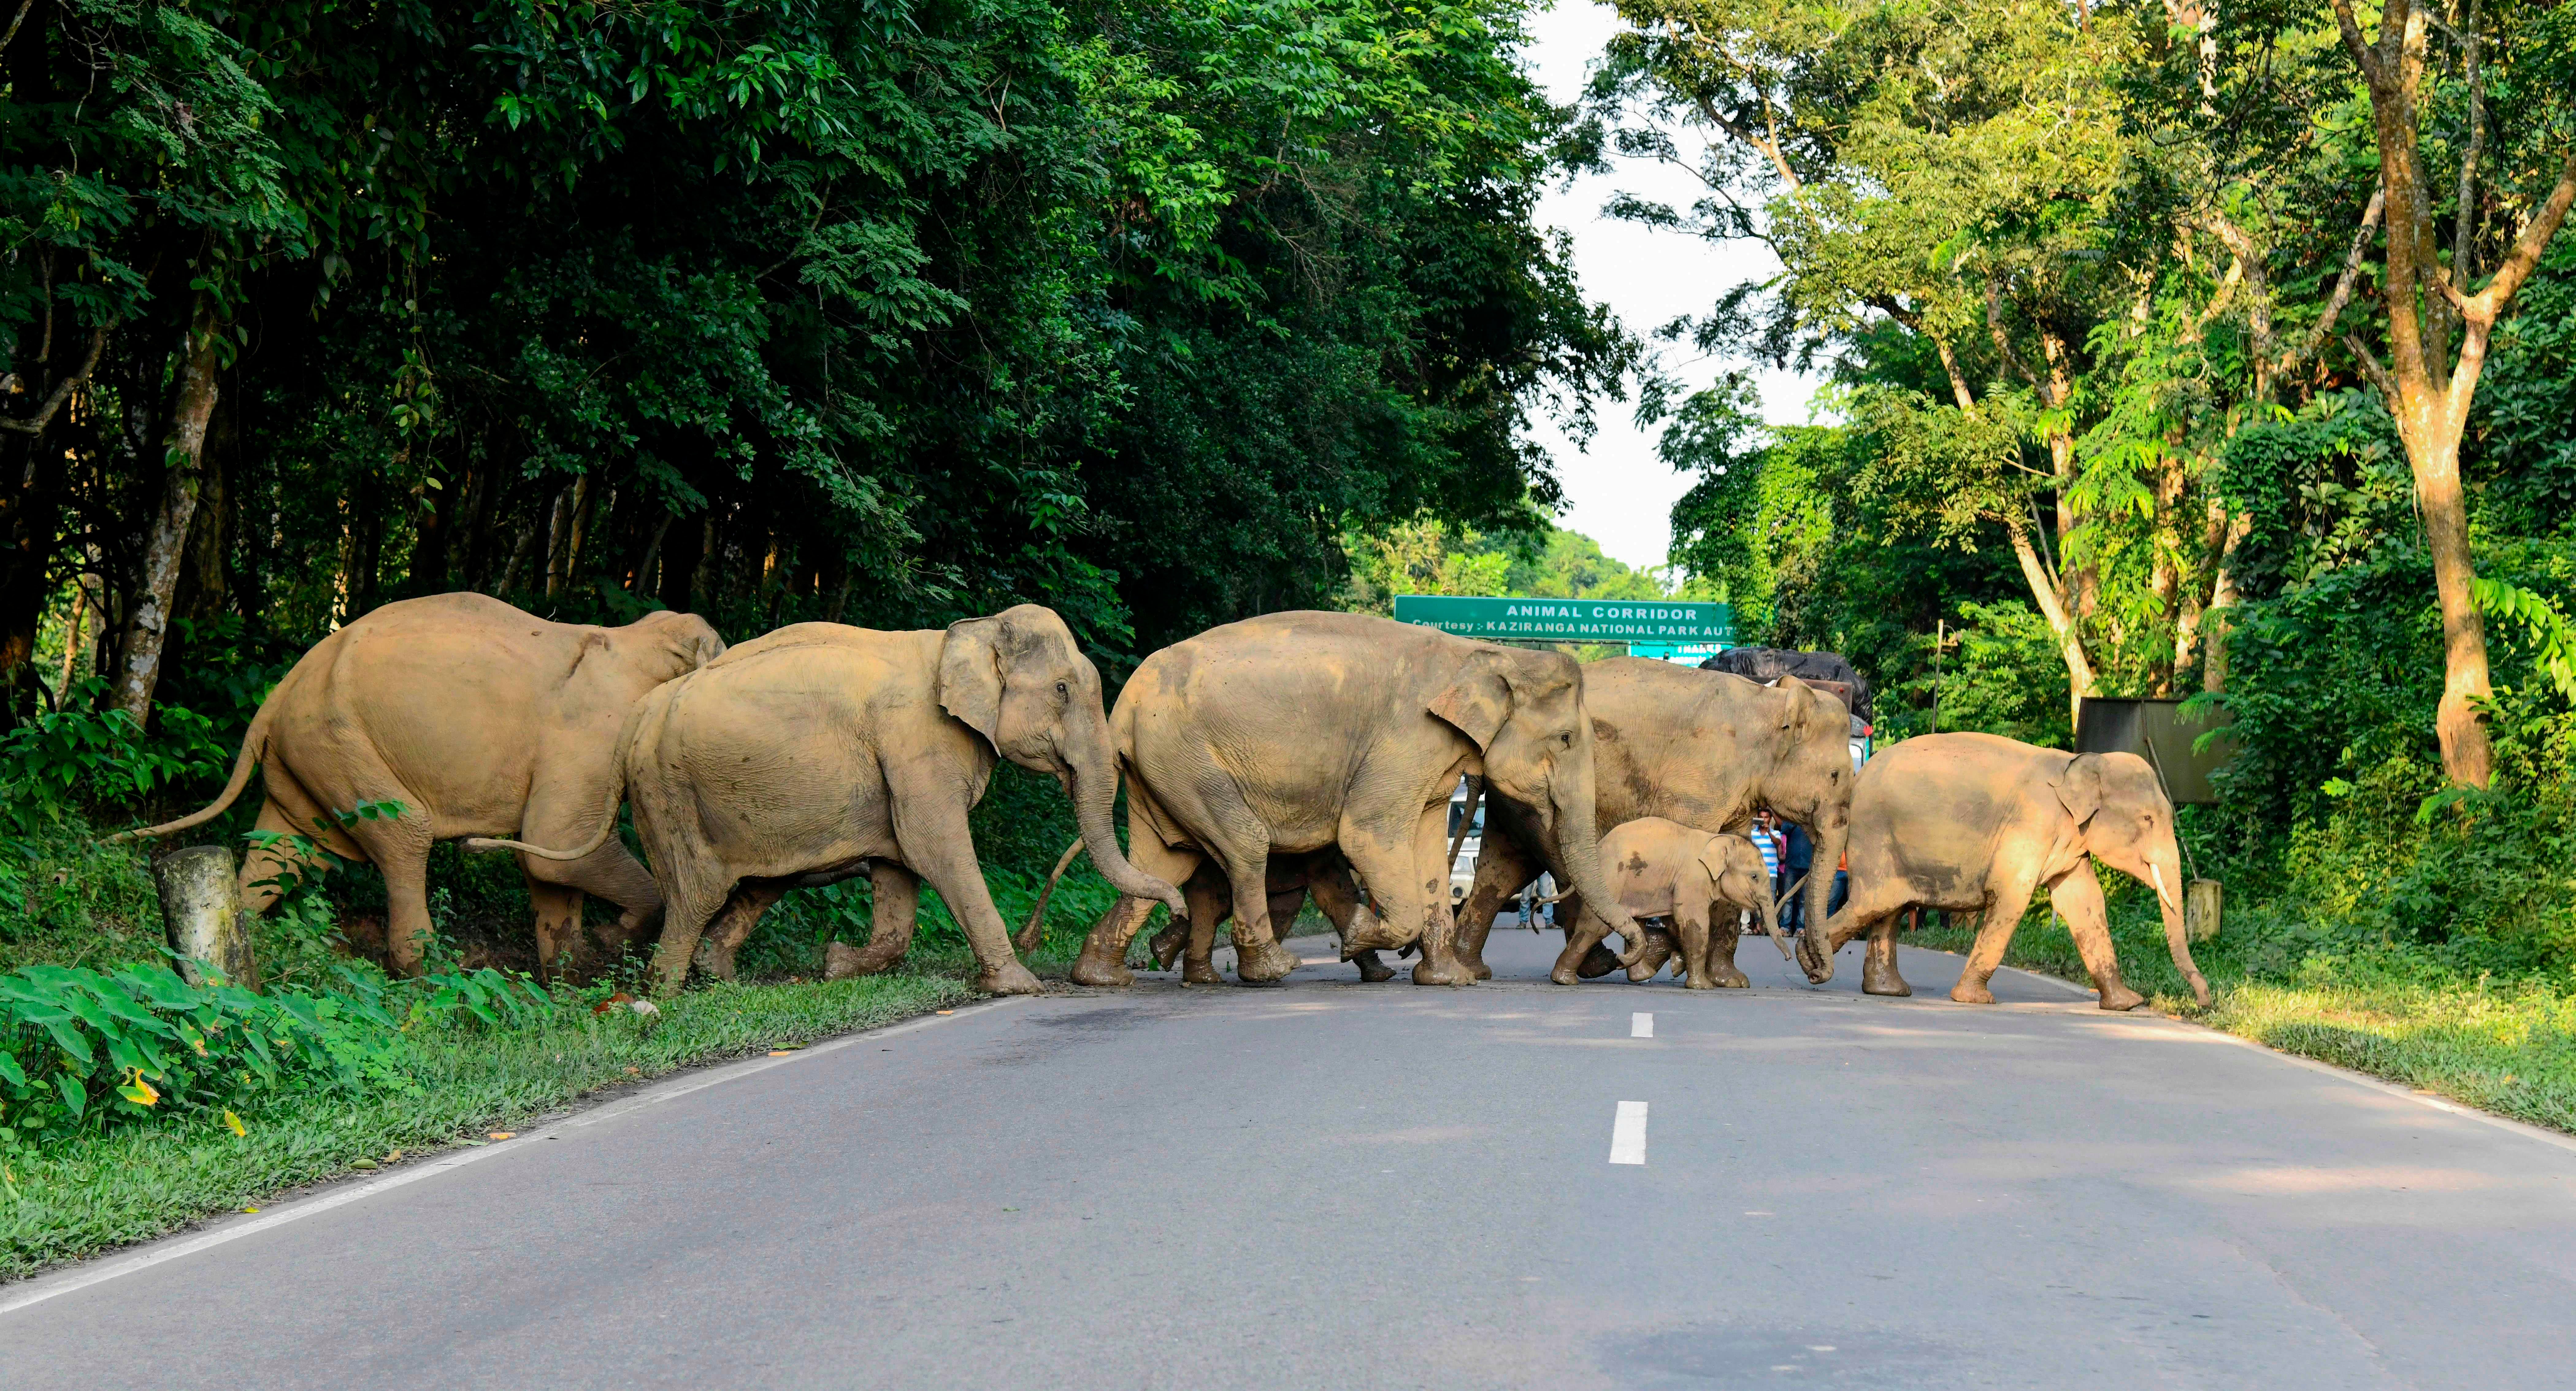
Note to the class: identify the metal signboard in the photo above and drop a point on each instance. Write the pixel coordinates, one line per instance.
(2159, 732)
(1570, 620)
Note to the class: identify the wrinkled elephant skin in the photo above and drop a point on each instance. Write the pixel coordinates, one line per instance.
(1973, 823)
(821, 751)
(1292, 733)
(1702, 748)
(481, 720)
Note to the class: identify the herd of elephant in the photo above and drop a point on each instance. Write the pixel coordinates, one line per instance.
(1266, 760)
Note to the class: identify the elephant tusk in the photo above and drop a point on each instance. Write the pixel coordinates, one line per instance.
(2162, 894)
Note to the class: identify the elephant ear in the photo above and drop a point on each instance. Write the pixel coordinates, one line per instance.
(970, 674)
(1477, 701)
(1800, 708)
(2079, 787)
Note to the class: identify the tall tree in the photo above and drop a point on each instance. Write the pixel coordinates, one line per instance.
(2438, 329)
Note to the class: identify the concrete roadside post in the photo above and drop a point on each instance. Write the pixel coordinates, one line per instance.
(2200, 903)
(201, 913)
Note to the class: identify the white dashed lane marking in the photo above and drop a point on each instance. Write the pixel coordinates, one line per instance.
(1641, 1026)
(1628, 1134)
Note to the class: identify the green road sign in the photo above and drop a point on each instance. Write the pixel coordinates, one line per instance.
(1570, 620)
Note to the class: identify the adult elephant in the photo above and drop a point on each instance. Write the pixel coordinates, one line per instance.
(820, 751)
(480, 720)
(1698, 747)
(1288, 733)
(1972, 823)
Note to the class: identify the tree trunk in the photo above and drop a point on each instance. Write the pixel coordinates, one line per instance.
(184, 447)
(2061, 620)
(680, 552)
(204, 585)
(2467, 760)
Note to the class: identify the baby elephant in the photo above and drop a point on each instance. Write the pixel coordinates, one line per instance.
(1699, 881)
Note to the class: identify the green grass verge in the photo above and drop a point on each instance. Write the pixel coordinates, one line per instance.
(2505, 1044)
(142, 1182)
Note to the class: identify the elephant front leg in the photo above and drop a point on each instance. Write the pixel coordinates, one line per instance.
(1725, 933)
(931, 829)
(2078, 897)
(1103, 961)
(1692, 929)
(1583, 937)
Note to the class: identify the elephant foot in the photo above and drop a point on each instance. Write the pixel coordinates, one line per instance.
(1695, 982)
(1428, 972)
(1377, 935)
(1094, 968)
(1373, 970)
(1967, 994)
(2120, 997)
(1734, 980)
(1876, 979)
(1262, 962)
(1598, 962)
(1169, 942)
(1562, 975)
(1200, 973)
(1652, 953)
(1475, 962)
(1009, 978)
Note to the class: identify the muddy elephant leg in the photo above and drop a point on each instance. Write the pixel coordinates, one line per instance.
(1692, 928)
(1503, 869)
(563, 809)
(1338, 899)
(733, 926)
(1659, 948)
(558, 911)
(1210, 905)
(684, 921)
(2078, 897)
(1725, 931)
(2011, 899)
(1258, 957)
(1104, 952)
(894, 910)
(1878, 973)
(1173, 941)
(1582, 941)
(1439, 964)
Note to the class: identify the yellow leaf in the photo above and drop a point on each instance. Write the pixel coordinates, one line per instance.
(136, 1089)
(233, 1123)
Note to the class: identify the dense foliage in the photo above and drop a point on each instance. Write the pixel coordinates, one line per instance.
(2106, 294)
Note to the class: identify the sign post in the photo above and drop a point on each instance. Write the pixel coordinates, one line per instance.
(1661, 622)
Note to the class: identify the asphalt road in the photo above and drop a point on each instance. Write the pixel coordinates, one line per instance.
(1331, 1185)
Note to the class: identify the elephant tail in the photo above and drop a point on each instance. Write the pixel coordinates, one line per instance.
(1027, 941)
(616, 793)
(253, 749)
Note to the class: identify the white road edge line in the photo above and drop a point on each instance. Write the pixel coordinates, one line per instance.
(1628, 1134)
(1641, 1026)
(45, 1287)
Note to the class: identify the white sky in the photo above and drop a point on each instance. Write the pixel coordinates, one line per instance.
(1620, 494)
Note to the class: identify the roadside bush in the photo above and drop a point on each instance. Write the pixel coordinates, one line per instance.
(85, 1050)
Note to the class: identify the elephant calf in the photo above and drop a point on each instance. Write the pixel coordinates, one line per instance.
(821, 751)
(1699, 881)
(1972, 823)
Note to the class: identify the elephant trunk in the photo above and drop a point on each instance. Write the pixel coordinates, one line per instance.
(2164, 871)
(1578, 851)
(1095, 792)
(1831, 835)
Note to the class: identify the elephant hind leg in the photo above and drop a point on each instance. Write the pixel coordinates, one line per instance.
(558, 911)
(733, 926)
(894, 911)
(684, 922)
(1210, 904)
(1878, 974)
(2008, 901)
(1503, 869)
(2078, 898)
(275, 864)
